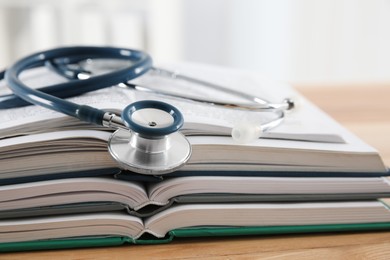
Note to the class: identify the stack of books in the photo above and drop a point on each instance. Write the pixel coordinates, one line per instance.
(60, 188)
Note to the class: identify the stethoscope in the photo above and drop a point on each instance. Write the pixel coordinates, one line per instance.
(146, 139)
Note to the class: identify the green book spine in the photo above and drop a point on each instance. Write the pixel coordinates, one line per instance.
(276, 230)
(187, 232)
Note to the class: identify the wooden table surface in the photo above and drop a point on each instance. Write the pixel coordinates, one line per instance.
(365, 110)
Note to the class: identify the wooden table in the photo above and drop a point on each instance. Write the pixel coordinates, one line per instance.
(365, 110)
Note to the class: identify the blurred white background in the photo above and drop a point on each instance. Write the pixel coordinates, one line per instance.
(300, 41)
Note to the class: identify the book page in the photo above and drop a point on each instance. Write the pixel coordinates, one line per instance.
(73, 190)
(79, 225)
(22, 140)
(304, 124)
(54, 152)
(266, 214)
(170, 188)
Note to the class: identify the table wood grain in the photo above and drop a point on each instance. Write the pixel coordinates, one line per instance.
(365, 110)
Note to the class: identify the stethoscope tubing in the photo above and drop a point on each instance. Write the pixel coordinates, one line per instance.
(140, 64)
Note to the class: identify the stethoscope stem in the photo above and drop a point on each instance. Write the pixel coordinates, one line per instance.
(178, 76)
(255, 104)
(112, 120)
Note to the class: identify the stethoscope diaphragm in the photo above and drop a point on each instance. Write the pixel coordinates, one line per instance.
(153, 145)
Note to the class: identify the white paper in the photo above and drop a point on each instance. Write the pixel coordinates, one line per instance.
(306, 123)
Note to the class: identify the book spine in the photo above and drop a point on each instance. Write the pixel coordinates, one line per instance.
(276, 230)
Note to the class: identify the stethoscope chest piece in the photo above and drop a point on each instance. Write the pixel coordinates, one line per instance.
(154, 145)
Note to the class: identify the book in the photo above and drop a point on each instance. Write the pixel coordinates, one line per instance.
(61, 189)
(192, 216)
(38, 142)
(75, 195)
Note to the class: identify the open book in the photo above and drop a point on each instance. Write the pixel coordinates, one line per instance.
(221, 191)
(211, 216)
(36, 141)
(74, 195)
